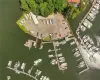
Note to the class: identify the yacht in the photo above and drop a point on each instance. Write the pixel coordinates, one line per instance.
(61, 59)
(77, 54)
(23, 66)
(60, 55)
(63, 66)
(81, 64)
(36, 63)
(54, 62)
(51, 56)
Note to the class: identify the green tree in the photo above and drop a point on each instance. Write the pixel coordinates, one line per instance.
(33, 6)
(24, 5)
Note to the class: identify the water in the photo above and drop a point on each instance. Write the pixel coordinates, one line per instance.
(11, 48)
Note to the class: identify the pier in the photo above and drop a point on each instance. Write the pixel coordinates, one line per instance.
(56, 55)
(94, 2)
(23, 73)
(38, 73)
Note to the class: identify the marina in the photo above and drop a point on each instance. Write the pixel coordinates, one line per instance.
(12, 44)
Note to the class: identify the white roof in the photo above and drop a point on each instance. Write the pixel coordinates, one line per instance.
(34, 18)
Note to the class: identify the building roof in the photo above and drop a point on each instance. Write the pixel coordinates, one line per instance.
(74, 1)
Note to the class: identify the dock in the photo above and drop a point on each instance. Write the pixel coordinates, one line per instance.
(21, 72)
(62, 65)
(56, 55)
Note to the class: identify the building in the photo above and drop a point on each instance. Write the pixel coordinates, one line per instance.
(74, 1)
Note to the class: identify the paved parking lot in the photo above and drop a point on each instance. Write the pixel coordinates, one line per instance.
(54, 26)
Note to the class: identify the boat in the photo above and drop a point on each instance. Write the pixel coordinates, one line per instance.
(72, 43)
(54, 62)
(96, 6)
(39, 72)
(17, 64)
(9, 63)
(48, 78)
(51, 56)
(44, 78)
(49, 50)
(41, 78)
(83, 28)
(29, 71)
(23, 66)
(77, 54)
(63, 66)
(8, 77)
(41, 47)
(60, 55)
(87, 23)
(90, 18)
(61, 59)
(81, 64)
(98, 1)
(36, 62)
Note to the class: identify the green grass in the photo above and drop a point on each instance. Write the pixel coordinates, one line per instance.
(20, 25)
(47, 38)
(83, 4)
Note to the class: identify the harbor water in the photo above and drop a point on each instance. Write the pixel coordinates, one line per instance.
(12, 40)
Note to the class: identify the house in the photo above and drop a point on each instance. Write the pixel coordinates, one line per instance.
(74, 1)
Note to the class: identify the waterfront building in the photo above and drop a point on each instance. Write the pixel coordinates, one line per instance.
(74, 1)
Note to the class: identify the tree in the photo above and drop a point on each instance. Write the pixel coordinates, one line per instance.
(39, 1)
(33, 6)
(24, 5)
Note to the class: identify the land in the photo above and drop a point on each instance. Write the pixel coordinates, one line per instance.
(47, 19)
(55, 26)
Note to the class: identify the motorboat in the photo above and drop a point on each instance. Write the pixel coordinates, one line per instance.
(54, 62)
(36, 62)
(9, 63)
(23, 66)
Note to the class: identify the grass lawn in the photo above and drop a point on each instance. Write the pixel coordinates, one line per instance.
(83, 4)
(20, 25)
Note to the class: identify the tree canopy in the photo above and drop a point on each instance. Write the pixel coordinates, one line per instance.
(47, 7)
(42, 7)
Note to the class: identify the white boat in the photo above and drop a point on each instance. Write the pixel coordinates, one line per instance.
(54, 62)
(23, 66)
(44, 78)
(72, 43)
(61, 59)
(41, 78)
(51, 56)
(36, 63)
(83, 28)
(8, 77)
(9, 63)
(81, 64)
(63, 66)
(48, 78)
(41, 47)
(59, 55)
(77, 54)
(49, 50)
